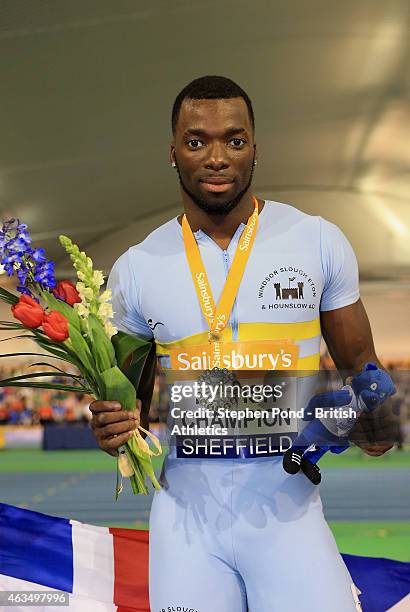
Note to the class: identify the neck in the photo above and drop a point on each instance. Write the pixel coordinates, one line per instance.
(220, 228)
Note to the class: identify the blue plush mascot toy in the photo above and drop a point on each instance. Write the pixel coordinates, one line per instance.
(329, 431)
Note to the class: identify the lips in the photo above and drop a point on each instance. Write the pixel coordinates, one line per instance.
(216, 184)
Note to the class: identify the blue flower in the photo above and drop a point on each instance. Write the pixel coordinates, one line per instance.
(18, 257)
(24, 290)
(38, 255)
(44, 274)
(13, 258)
(22, 274)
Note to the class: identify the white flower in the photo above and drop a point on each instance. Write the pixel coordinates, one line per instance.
(110, 330)
(2, 269)
(86, 293)
(105, 312)
(82, 310)
(98, 278)
(81, 276)
(105, 296)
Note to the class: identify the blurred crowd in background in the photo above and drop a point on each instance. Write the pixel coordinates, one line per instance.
(37, 407)
(28, 406)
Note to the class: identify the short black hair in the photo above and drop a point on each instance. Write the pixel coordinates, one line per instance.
(210, 88)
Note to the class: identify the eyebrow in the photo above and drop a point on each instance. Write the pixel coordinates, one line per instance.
(229, 132)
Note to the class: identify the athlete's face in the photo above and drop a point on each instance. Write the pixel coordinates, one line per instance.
(214, 151)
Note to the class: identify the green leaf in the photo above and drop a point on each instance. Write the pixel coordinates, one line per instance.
(65, 309)
(117, 483)
(135, 488)
(82, 357)
(138, 480)
(59, 349)
(134, 370)
(19, 336)
(119, 388)
(103, 349)
(11, 325)
(8, 297)
(32, 354)
(37, 375)
(82, 350)
(145, 462)
(50, 365)
(124, 345)
(34, 385)
(59, 354)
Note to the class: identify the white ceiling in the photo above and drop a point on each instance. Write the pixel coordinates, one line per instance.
(88, 86)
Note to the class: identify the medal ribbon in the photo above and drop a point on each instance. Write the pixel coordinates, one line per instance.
(218, 316)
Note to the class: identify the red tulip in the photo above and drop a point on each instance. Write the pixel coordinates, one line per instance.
(28, 311)
(66, 291)
(55, 326)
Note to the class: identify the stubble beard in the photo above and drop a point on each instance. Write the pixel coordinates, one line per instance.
(216, 209)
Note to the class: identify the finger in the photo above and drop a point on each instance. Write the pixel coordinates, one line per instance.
(104, 406)
(106, 418)
(117, 441)
(375, 450)
(381, 448)
(118, 428)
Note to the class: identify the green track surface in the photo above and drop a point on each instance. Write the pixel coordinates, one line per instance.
(354, 457)
(37, 460)
(390, 540)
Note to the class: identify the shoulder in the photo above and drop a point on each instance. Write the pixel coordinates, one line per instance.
(280, 218)
(292, 218)
(159, 243)
(287, 213)
(332, 238)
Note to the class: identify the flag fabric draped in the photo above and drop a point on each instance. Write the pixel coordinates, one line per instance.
(103, 569)
(106, 569)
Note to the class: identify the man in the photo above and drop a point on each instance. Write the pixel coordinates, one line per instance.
(235, 532)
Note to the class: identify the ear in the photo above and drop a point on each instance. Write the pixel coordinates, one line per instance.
(172, 159)
(255, 153)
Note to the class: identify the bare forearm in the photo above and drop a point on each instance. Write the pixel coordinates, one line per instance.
(348, 336)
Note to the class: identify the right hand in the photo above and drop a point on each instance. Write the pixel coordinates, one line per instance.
(113, 426)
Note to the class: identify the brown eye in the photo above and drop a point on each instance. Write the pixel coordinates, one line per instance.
(195, 143)
(237, 142)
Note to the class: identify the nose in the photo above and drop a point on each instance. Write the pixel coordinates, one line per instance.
(217, 158)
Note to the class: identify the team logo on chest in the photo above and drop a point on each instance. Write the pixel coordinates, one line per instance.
(287, 287)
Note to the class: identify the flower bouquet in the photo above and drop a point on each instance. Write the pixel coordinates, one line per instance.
(72, 324)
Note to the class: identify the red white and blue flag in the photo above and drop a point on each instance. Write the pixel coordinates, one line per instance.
(106, 569)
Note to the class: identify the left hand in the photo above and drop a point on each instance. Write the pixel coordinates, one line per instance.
(376, 450)
(375, 432)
